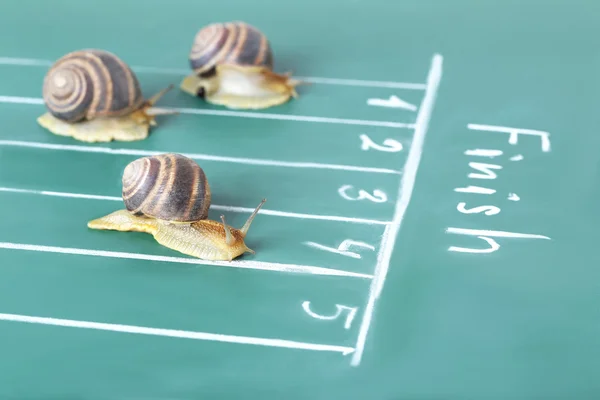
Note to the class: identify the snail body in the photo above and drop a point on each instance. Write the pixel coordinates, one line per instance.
(232, 66)
(93, 96)
(168, 196)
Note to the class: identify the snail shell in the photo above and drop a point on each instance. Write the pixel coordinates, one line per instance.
(91, 83)
(169, 187)
(233, 43)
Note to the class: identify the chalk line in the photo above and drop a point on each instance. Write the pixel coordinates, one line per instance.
(257, 265)
(404, 194)
(244, 114)
(475, 189)
(483, 152)
(491, 233)
(247, 210)
(142, 330)
(198, 156)
(34, 62)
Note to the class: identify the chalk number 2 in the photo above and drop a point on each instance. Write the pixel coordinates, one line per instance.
(389, 145)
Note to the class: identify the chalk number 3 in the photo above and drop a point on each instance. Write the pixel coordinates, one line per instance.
(378, 196)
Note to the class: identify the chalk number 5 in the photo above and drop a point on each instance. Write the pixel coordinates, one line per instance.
(350, 311)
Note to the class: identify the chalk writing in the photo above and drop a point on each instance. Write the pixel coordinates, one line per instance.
(475, 189)
(351, 312)
(343, 248)
(493, 246)
(513, 197)
(487, 236)
(487, 210)
(488, 171)
(483, 167)
(514, 133)
(483, 153)
(389, 145)
(378, 196)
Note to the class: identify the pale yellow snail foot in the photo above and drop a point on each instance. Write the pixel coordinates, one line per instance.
(204, 239)
(128, 128)
(190, 84)
(125, 129)
(124, 221)
(243, 87)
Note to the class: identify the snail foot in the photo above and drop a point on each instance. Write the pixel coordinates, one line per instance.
(125, 129)
(201, 239)
(192, 85)
(124, 221)
(243, 87)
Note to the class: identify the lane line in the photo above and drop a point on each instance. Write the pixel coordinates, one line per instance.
(255, 265)
(244, 114)
(32, 62)
(198, 156)
(404, 194)
(247, 210)
(299, 118)
(142, 330)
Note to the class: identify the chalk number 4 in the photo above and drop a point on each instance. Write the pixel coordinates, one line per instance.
(350, 313)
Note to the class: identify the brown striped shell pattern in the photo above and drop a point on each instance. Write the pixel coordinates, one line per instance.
(85, 84)
(169, 187)
(229, 43)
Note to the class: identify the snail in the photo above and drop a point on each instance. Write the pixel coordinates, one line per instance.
(168, 196)
(93, 96)
(232, 65)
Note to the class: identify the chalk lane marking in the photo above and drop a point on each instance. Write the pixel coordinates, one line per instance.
(344, 247)
(244, 114)
(33, 62)
(392, 102)
(217, 207)
(404, 194)
(198, 156)
(141, 330)
(256, 265)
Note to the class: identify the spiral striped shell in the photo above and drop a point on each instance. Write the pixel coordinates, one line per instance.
(86, 84)
(230, 42)
(170, 187)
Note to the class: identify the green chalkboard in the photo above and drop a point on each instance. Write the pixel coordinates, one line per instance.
(430, 228)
